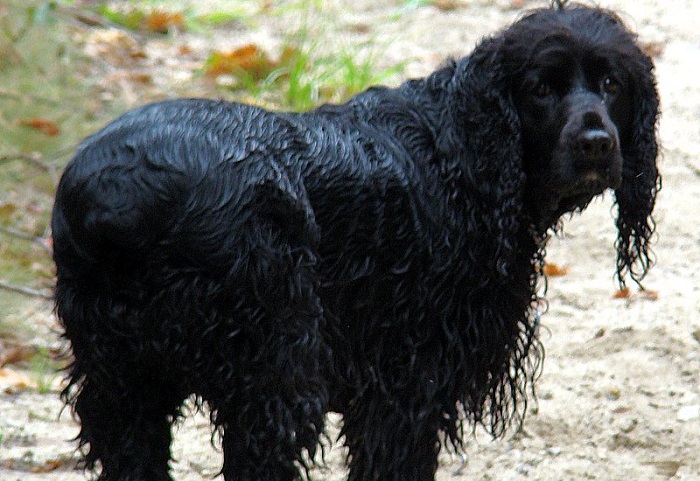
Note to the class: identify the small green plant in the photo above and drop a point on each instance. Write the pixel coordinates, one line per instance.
(43, 369)
(304, 74)
(301, 80)
(160, 19)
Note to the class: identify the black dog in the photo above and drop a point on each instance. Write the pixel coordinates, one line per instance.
(378, 258)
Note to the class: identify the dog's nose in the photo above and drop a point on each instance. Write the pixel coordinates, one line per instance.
(595, 156)
(595, 144)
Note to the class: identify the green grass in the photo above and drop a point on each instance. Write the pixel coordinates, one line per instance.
(307, 74)
(44, 369)
(306, 78)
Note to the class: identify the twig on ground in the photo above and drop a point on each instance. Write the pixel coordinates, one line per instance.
(87, 17)
(40, 241)
(26, 97)
(36, 160)
(32, 157)
(27, 291)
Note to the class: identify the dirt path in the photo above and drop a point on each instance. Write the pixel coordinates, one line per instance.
(620, 393)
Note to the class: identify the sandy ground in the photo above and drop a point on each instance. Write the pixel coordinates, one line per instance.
(619, 398)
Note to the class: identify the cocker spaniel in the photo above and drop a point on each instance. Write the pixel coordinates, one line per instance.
(378, 259)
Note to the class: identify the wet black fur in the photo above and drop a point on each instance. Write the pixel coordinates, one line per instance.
(378, 258)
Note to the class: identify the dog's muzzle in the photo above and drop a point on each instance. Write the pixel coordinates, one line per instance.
(593, 150)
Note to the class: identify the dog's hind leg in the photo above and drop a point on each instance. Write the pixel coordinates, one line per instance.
(125, 409)
(273, 414)
(270, 401)
(130, 434)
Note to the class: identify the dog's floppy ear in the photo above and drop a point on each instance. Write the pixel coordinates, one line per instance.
(480, 149)
(640, 178)
(480, 141)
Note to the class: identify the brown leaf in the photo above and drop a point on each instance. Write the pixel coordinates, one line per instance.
(555, 270)
(6, 210)
(185, 50)
(248, 60)
(45, 126)
(649, 295)
(30, 465)
(653, 49)
(623, 293)
(162, 21)
(447, 5)
(140, 77)
(626, 293)
(49, 466)
(12, 381)
(16, 354)
(289, 53)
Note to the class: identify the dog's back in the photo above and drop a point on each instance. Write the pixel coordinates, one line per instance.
(178, 175)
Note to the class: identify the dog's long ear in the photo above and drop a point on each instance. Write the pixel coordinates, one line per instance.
(636, 195)
(480, 141)
(481, 161)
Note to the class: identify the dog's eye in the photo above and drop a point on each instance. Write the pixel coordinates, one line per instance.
(542, 90)
(611, 86)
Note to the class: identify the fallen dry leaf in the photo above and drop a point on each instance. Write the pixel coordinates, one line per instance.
(13, 381)
(649, 295)
(163, 21)
(49, 466)
(7, 209)
(45, 126)
(15, 354)
(447, 5)
(249, 60)
(653, 49)
(29, 465)
(185, 50)
(623, 293)
(555, 270)
(626, 293)
(140, 77)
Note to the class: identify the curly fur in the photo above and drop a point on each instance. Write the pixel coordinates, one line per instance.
(379, 258)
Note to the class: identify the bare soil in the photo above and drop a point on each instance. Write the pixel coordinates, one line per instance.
(619, 398)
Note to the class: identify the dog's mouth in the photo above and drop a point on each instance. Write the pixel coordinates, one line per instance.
(572, 197)
(584, 189)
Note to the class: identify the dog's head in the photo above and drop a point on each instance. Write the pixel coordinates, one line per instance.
(552, 111)
(587, 103)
